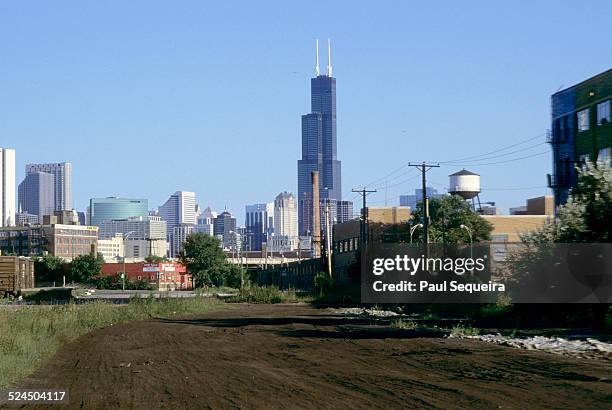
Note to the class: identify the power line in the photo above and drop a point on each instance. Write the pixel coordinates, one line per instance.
(496, 150)
(502, 155)
(397, 183)
(386, 176)
(498, 162)
(364, 214)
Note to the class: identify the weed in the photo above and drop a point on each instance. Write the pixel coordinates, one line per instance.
(462, 331)
(403, 324)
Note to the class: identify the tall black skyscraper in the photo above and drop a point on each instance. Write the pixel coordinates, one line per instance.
(319, 147)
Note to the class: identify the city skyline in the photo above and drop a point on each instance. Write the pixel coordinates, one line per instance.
(80, 119)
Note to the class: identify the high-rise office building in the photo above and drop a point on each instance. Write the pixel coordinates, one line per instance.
(319, 145)
(581, 131)
(178, 236)
(256, 226)
(285, 215)
(140, 227)
(179, 209)
(206, 220)
(36, 194)
(62, 173)
(224, 228)
(344, 211)
(7, 187)
(112, 209)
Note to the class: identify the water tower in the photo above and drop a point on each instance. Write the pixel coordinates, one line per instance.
(466, 184)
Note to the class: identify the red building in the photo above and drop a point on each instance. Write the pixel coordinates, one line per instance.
(163, 275)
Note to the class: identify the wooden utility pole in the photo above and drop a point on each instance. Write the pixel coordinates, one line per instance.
(424, 167)
(363, 236)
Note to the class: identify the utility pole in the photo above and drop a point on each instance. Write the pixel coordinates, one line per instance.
(424, 167)
(363, 237)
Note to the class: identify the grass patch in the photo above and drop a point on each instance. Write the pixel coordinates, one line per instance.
(461, 331)
(30, 335)
(267, 294)
(403, 324)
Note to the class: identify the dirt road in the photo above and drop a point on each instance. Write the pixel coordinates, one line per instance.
(296, 356)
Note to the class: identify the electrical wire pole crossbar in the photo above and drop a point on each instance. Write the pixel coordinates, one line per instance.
(424, 167)
(363, 237)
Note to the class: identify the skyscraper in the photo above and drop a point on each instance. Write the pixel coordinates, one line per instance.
(285, 215)
(224, 228)
(62, 172)
(256, 226)
(319, 145)
(7, 187)
(36, 194)
(179, 209)
(112, 209)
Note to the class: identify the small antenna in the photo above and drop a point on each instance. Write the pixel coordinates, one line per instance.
(317, 67)
(329, 64)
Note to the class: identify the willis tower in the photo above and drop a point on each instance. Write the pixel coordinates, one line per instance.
(319, 149)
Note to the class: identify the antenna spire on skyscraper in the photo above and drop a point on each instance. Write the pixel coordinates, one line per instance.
(317, 67)
(329, 63)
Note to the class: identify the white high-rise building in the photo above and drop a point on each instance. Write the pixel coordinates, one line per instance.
(206, 220)
(179, 209)
(7, 187)
(285, 218)
(62, 172)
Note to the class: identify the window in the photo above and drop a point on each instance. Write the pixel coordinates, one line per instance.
(603, 113)
(605, 156)
(583, 120)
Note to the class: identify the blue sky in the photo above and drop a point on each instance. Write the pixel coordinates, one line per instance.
(149, 97)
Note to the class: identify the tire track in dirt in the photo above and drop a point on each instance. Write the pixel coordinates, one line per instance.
(297, 356)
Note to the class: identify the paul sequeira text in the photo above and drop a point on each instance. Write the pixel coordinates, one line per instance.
(443, 286)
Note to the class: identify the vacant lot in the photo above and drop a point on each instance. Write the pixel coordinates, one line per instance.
(296, 356)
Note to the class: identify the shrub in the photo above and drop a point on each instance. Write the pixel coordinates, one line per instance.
(324, 283)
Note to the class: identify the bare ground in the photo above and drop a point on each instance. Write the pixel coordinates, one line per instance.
(297, 356)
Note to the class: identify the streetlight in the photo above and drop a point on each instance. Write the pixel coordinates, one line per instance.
(239, 257)
(469, 231)
(125, 238)
(414, 228)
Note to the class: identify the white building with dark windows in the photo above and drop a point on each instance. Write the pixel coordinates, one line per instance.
(285, 220)
(7, 187)
(206, 220)
(112, 249)
(179, 209)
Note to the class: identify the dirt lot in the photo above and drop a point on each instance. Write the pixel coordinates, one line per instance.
(296, 356)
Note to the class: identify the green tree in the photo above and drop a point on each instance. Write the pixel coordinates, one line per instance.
(205, 260)
(233, 276)
(447, 214)
(585, 218)
(86, 267)
(155, 259)
(587, 215)
(49, 269)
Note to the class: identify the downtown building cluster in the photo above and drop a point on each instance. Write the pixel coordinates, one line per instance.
(37, 215)
(127, 229)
